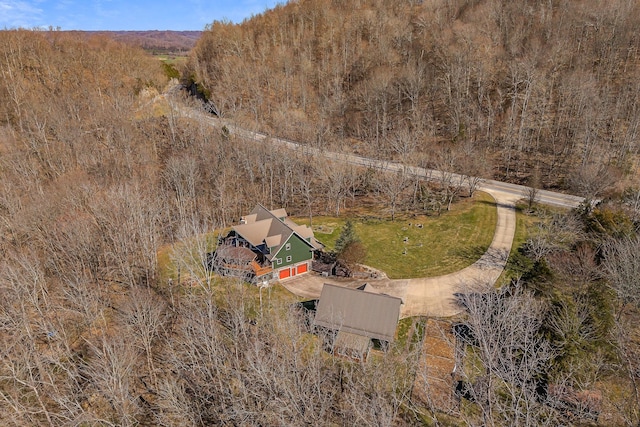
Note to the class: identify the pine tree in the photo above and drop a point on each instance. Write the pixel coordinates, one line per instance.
(347, 236)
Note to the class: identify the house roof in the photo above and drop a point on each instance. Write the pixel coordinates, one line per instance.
(237, 253)
(262, 226)
(368, 288)
(279, 213)
(254, 232)
(305, 232)
(358, 312)
(356, 342)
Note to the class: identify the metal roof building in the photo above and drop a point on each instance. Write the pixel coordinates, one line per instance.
(357, 313)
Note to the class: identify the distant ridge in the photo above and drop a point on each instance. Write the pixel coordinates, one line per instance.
(155, 41)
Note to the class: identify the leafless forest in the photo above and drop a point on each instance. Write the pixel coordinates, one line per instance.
(540, 90)
(99, 175)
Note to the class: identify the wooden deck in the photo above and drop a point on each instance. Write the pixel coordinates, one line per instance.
(260, 270)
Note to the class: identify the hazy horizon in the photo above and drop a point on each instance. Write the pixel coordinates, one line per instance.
(122, 15)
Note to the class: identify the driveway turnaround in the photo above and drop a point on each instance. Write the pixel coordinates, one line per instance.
(431, 296)
(434, 296)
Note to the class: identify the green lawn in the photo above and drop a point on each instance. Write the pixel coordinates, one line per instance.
(416, 246)
(403, 249)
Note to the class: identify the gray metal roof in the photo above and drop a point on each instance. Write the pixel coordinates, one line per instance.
(359, 343)
(358, 312)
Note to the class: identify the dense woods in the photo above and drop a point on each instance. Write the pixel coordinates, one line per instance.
(539, 90)
(95, 182)
(109, 197)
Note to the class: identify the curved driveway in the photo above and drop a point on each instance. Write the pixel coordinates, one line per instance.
(433, 296)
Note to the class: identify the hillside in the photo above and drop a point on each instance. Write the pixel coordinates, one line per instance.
(157, 42)
(115, 186)
(529, 92)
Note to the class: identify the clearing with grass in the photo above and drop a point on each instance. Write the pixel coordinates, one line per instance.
(420, 245)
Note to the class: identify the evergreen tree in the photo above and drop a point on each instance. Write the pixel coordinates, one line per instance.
(347, 236)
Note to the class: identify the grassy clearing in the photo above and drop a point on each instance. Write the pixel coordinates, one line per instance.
(184, 283)
(421, 246)
(416, 246)
(410, 332)
(171, 59)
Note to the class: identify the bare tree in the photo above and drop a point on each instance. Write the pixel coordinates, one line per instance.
(182, 177)
(474, 164)
(306, 180)
(622, 267)
(404, 143)
(514, 358)
(629, 353)
(128, 221)
(111, 371)
(558, 232)
(450, 181)
(532, 191)
(145, 315)
(25, 377)
(593, 179)
(335, 176)
(531, 195)
(631, 199)
(393, 184)
(190, 257)
(230, 367)
(375, 393)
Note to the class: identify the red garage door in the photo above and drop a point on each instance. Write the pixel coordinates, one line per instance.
(284, 273)
(302, 268)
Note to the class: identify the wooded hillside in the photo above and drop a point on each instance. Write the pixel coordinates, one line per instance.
(111, 198)
(157, 42)
(542, 91)
(109, 204)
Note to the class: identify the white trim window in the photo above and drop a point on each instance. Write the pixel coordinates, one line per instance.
(288, 258)
(287, 247)
(279, 261)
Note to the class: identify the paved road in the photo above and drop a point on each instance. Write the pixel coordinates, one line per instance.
(488, 185)
(431, 296)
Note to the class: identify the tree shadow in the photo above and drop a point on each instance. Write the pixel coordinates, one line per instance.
(472, 253)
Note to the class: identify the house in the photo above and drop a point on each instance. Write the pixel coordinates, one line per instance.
(356, 318)
(275, 247)
(240, 262)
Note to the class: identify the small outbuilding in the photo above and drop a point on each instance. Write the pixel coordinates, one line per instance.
(357, 317)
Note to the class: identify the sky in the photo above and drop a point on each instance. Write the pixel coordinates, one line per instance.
(113, 15)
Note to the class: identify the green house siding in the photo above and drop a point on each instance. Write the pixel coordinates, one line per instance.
(299, 251)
